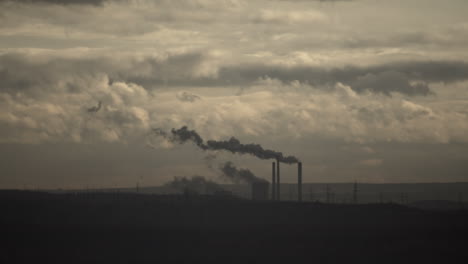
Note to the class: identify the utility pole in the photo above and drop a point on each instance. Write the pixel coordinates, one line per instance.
(460, 200)
(355, 193)
(299, 181)
(273, 181)
(278, 181)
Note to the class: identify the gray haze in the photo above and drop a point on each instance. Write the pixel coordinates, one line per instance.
(374, 91)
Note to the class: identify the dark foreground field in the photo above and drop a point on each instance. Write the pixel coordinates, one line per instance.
(129, 228)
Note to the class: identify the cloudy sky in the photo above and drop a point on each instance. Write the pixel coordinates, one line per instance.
(367, 90)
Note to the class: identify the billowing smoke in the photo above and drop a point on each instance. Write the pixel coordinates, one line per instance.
(95, 109)
(239, 175)
(195, 184)
(183, 135)
(232, 145)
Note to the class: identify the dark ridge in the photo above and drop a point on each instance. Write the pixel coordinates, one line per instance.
(137, 228)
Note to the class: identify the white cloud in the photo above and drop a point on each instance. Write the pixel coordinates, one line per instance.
(187, 45)
(288, 17)
(267, 108)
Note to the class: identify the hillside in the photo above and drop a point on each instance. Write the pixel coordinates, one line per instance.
(129, 228)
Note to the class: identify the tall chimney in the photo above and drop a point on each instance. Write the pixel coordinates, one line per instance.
(278, 183)
(273, 181)
(299, 181)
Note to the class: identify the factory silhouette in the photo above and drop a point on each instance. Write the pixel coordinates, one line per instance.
(260, 186)
(195, 220)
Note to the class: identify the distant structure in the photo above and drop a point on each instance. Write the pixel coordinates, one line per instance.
(278, 182)
(299, 181)
(355, 193)
(404, 198)
(460, 201)
(260, 190)
(273, 181)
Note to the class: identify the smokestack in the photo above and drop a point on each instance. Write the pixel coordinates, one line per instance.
(299, 181)
(278, 182)
(273, 181)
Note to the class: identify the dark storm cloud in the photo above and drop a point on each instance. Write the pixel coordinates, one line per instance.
(100, 2)
(411, 78)
(385, 78)
(455, 37)
(22, 72)
(317, 0)
(389, 81)
(61, 2)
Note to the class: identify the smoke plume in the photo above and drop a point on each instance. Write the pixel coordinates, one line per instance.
(239, 175)
(95, 109)
(233, 145)
(183, 135)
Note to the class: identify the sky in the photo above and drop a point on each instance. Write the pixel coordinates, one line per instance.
(359, 90)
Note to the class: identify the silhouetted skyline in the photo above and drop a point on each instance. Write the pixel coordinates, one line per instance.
(358, 90)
